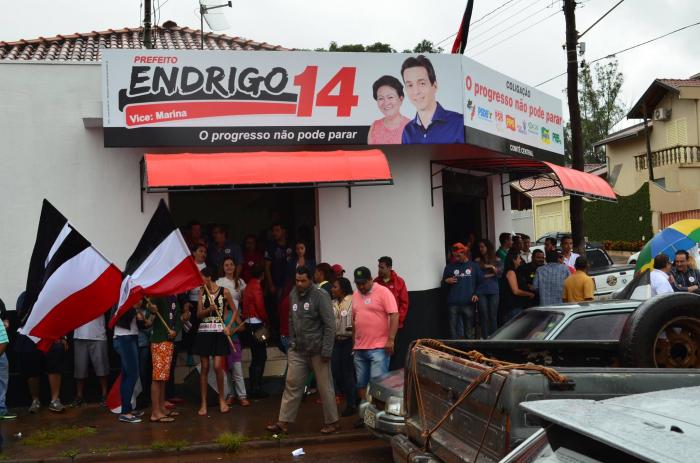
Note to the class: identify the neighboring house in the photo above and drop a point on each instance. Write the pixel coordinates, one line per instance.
(671, 107)
(549, 210)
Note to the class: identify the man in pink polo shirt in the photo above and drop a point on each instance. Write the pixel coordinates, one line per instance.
(376, 320)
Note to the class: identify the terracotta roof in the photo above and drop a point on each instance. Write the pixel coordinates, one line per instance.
(656, 91)
(88, 46)
(678, 83)
(624, 134)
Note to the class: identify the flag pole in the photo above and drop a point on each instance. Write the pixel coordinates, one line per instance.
(165, 324)
(211, 301)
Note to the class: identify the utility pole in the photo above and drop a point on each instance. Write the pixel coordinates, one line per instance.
(147, 38)
(576, 202)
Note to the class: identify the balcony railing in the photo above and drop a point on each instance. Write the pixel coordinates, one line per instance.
(676, 155)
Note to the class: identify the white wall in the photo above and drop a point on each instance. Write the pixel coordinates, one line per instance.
(45, 152)
(500, 220)
(397, 221)
(523, 222)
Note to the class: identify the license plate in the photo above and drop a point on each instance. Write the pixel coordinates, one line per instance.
(370, 418)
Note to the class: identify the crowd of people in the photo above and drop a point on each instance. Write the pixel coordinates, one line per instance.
(486, 287)
(336, 339)
(253, 297)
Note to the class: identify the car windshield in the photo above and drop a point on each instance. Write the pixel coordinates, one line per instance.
(531, 324)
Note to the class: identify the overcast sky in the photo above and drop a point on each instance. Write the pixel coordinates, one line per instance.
(532, 56)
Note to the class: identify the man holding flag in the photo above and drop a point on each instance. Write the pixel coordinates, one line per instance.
(161, 265)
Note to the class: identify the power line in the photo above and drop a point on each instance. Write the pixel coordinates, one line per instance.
(500, 32)
(600, 19)
(476, 21)
(517, 33)
(482, 23)
(612, 55)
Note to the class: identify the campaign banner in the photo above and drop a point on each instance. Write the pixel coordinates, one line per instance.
(508, 116)
(215, 98)
(161, 98)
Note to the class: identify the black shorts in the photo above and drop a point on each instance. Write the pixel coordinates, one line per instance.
(211, 344)
(34, 363)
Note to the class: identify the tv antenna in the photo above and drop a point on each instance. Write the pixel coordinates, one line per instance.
(216, 21)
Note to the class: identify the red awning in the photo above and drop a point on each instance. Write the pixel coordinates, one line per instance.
(571, 181)
(575, 182)
(265, 169)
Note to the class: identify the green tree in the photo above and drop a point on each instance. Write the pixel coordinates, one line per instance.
(425, 46)
(601, 108)
(377, 47)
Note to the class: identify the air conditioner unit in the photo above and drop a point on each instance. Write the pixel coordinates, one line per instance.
(662, 114)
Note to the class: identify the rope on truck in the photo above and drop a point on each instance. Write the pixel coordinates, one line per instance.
(495, 366)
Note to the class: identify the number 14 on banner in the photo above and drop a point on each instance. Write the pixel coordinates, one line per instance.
(344, 100)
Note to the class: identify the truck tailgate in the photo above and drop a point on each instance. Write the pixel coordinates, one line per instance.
(438, 378)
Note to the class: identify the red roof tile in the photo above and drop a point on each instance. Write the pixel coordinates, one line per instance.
(87, 46)
(678, 83)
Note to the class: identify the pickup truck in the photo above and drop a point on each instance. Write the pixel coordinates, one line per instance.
(608, 276)
(487, 424)
(383, 412)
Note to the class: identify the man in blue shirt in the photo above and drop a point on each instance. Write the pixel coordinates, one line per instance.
(462, 278)
(433, 124)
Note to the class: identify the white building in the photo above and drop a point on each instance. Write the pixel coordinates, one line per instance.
(52, 146)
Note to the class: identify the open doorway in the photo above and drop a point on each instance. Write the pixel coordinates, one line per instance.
(464, 204)
(247, 212)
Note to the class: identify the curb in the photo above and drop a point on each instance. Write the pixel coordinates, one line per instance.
(204, 447)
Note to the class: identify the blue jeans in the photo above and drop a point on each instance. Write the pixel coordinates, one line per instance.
(488, 313)
(369, 364)
(4, 378)
(128, 349)
(461, 321)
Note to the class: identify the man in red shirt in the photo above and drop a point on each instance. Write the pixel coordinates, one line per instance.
(388, 278)
(255, 318)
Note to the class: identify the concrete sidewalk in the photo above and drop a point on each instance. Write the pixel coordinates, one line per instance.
(112, 436)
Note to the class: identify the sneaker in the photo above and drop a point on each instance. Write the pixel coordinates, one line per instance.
(8, 416)
(56, 406)
(35, 406)
(129, 418)
(137, 413)
(77, 402)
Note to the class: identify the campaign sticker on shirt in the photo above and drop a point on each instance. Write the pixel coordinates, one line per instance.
(368, 301)
(289, 251)
(456, 272)
(691, 279)
(343, 313)
(227, 251)
(251, 263)
(468, 272)
(294, 307)
(306, 306)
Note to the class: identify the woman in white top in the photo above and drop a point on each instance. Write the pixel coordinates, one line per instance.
(235, 369)
(230, 282)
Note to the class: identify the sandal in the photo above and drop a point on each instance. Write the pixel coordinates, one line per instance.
(330, 428)
(173, 413)
(165, 419)
(278, 428)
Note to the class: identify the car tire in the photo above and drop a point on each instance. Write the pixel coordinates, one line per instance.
(663, 332)
(632, 262)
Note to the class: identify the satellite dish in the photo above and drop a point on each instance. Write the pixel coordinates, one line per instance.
(215, 18)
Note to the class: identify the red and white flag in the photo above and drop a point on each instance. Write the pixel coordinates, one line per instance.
(161, 265)
(69, 282)
(114, 397)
